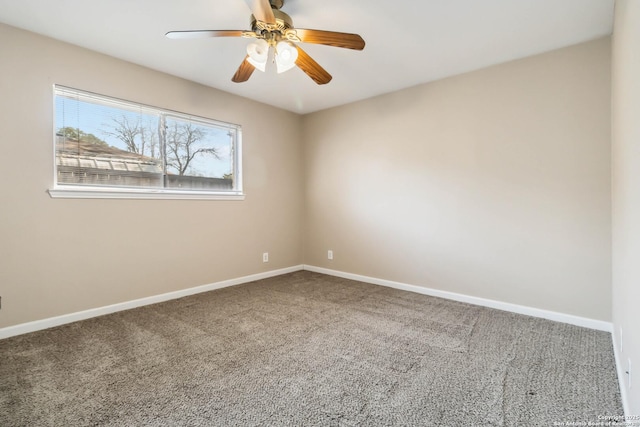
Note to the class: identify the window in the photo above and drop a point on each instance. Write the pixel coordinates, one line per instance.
(105, 147)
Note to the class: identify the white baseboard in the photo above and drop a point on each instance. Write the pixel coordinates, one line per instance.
(87, 314)
(621, 375)
(505, 306)
(100, 311)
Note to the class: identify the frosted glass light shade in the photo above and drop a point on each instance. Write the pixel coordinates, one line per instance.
(258, 52)
(286, 55)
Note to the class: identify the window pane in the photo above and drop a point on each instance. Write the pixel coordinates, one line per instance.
(102, 141)
(98, 144)
(198, 155)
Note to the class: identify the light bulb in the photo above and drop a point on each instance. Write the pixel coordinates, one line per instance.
(286, 56)
(258, 52)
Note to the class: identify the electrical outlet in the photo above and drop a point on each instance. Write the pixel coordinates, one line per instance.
(265, 257)
(329, 254)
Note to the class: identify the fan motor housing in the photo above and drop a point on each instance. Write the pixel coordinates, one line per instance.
(283, 22)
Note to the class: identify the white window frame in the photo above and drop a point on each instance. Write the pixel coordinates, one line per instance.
(106, 192)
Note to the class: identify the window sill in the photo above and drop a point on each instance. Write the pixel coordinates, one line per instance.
(111, 193)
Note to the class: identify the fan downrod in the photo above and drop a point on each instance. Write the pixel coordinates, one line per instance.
(276, 4)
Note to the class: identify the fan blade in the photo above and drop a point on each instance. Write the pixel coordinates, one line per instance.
(312, 68)
(330, 38)
(261, 9)
(244, 71)
(198, 34)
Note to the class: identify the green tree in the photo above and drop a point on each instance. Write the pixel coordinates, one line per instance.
(69, 133)
(79, 135)
(91, 138)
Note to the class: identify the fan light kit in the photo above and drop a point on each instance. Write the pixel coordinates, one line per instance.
(272, 28)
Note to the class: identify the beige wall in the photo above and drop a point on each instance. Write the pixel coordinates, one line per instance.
(626, 191)
(494, 184)
(60, 256)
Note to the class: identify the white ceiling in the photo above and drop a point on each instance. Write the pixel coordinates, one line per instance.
(408, 41)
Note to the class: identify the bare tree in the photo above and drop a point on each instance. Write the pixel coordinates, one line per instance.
(182, 141)
(149, 140)
(138, 137)
(127, 132)
(181, 145)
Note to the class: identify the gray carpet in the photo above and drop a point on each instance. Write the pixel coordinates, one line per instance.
(308, 349)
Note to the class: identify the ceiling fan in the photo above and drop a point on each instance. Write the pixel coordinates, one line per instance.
(273, 28)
